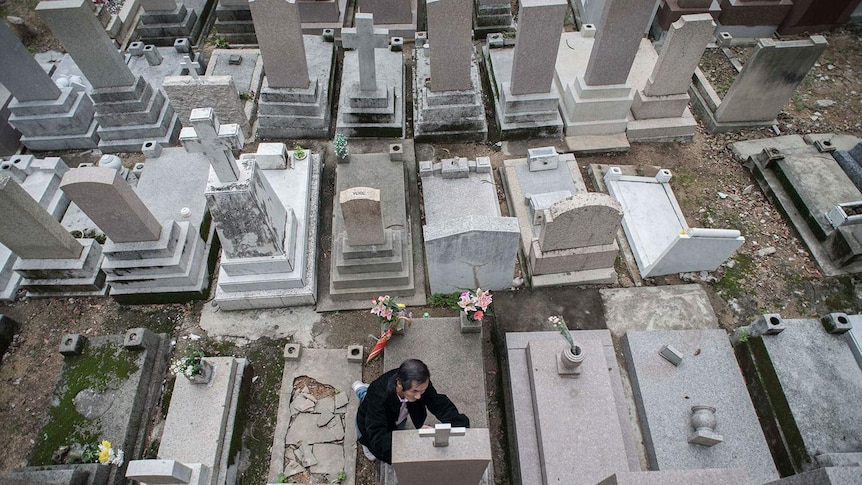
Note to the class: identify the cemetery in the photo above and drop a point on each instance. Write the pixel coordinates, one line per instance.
(624, 236)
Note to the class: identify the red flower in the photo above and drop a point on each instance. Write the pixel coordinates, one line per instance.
(478, 315)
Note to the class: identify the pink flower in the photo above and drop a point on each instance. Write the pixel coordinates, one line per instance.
(478, 315)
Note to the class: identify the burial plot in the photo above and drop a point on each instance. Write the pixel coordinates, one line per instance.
(812, 190)
(114, 403)
(47, 116)
(457, 370)
(761, 90)
(672, 307)
(40, 178)
(471, 246)
(656, 230)
(695, 412)
(371, 100)
(374, 252)
(807, 387)
(234, 19)
(129, 110)
(315, 432)
(164, 21)
(204, 414)
(525, 98)
(567, 234)
(447, 91)
(297, 88)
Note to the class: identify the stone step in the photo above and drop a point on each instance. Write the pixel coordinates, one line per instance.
(342, 281)
(149, 114)
(82, 141)
(63, 104)
(224, 14)
(179, 14)
(533, 116)
(393, 263)
(132, 144)
(392, 237)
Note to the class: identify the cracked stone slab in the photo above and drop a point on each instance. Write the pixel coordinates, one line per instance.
(324, 418)
(330, 459)
(341, 399)
(308, 458)
(300, 404)
(305, 430)
(325, 405)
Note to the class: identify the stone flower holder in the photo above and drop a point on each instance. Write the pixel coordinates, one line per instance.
(568, 362)
(468, 325)
(703, 420)
(206, 375)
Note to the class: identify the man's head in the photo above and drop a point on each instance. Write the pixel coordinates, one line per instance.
(412, 379)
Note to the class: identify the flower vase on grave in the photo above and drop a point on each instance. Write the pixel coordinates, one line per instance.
(469, 324)
(569, 360)
(204, 376)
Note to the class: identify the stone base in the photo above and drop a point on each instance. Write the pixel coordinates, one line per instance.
(451, 115)
(705, 102)
(163, 28)
(663, 129)
(596, 110)
(235, 25)
(488, 19)
(383, 121)
(65, 277)
(63, 124)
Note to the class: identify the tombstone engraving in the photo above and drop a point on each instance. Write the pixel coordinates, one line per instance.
(365, 39)
(363, 219)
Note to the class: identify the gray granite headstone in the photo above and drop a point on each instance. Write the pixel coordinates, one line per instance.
(19, 71)
(617, 39)
(682, 50)
(449, 36)
(418, 462)
(539, 25)
(28, 230)
(590, 219)
(279, 33)
(363, 218)
(78, 29)
(105, 196)
(365, 38)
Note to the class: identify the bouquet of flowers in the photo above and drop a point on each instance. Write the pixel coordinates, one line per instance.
(388, 309)
(475, 304)
(190, 365)
(558, 324)
(102, 453)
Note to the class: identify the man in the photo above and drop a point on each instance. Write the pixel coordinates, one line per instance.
(386, 403)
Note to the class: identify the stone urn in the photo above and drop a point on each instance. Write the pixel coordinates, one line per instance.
(569, 361)
(469, 325)
(205, 376)
(703, 421)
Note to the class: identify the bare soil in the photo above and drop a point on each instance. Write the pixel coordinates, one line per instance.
(712, 188)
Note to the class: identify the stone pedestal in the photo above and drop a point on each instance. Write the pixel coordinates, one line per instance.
(163, 27)
(378, 113)
(491, 16)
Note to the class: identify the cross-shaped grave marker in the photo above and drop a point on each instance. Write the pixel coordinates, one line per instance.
(441, 433)
(191, 66)
(365, 38)
(208, 136)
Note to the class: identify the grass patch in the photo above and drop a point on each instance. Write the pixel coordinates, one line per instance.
(445, 300)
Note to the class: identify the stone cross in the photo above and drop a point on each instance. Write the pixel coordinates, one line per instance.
(84, 38)
(441, 433)
(686, 40)
(28, 230)
(192, 66)
(618, 38)
(365, 38)
(21, 73)
(363, 217)
(540, 23)
(214, 140)
(110, 202)
(450, 27)
(279, 35)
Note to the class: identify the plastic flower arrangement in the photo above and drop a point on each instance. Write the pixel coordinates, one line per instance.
(558, 324)
(102, 453)
(190, 365)
(388, 309)
(340, 144)
(475, 304)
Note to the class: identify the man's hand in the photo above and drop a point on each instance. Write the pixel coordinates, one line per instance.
(425, 426)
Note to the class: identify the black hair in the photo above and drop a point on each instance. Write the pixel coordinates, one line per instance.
(410, 371)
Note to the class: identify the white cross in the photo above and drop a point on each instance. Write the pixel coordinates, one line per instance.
(192, 66)
(208, 136)
(441, 433)
(365, 38)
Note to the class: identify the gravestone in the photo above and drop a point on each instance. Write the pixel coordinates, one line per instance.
(806, 384)
(371, 106)
(419, 459)
(660, 109)
(763, 87)
(49, 117)
(547, 200)
(296, 94)
(145, 258)
(52, 262)
(396, 16)
(315, 431)
(40, 178)
(447, 93)
(656, 230)
(753, 18)
(363, 220)
(164, 21)
(473, 247)
(526, 101)
(129, 110)
(666, 395)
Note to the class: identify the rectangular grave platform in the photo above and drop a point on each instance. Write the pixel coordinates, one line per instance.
(708, 375)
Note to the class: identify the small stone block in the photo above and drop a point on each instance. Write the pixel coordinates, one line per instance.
(355, 353)
(496, 41)
(292, 351)
(301, 404)
(770, 155)
(396, 44)
(154, 58)
(308, 458)
(723, 39)
(670, 354)
(824, 146)
(483, 164)
(151, 149)
(588, 31)
(452, 168)
(705, 438)
(134, 339)
(234, 59)
(183, 45)
(767, 324)
(271, 156)
(158, 471)
(663, 176)
(396, 152)
(341, 399)
(328, 35)
(426, 169)
(544, 158)
(421, 38)
(136, 48)
(614, 173)
(72, 344)
(836, 323)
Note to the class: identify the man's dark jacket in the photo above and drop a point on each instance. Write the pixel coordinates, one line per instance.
(379, 411)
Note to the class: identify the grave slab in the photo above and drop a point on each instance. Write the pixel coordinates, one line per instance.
(247, 76)
(708, 375)
(465, 460)
(676, 307)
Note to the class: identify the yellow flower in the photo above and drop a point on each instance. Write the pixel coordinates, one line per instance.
(104, 455)
(401, 305)
(106, 444)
